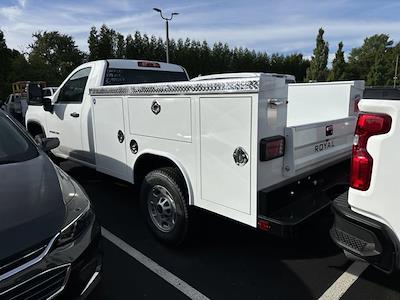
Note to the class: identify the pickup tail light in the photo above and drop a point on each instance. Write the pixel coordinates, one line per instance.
(361, 163)
(272, 147)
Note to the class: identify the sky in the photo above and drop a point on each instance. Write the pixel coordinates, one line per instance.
(283, 26)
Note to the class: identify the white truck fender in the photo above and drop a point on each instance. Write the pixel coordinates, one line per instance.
(174, 160)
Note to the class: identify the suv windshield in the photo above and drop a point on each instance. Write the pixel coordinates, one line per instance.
(14, 146)
(116, 76)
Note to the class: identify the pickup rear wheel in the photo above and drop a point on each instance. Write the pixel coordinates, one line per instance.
(164, 205)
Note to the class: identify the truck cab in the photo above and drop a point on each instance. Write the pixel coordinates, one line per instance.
(67, 113)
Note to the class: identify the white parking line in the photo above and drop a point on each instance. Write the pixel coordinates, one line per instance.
(345, 281)
(153, 266)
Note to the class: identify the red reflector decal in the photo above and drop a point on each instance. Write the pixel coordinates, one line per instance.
(148, 64)
(263, 225)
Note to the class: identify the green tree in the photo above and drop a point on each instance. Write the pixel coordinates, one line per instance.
(93, 43)
(318, 66)
(338, 65)
(5, 63)
(372, 61)
(53, 56)
(376, 75)
(120, 50)
(106, 43)
(129, 47)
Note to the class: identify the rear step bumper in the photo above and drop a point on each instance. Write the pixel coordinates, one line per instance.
(363, 237)
(284, 223)
(280, 211)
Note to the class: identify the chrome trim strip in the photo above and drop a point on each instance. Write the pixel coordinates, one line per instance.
(31, 262)
(84, 211)
(92, 279)
(23, 257)
(64, 283)
(247, 85)
(40, 274)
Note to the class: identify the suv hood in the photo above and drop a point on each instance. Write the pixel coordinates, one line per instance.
(32, 209)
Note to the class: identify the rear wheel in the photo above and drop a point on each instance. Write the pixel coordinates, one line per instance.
(164, 204)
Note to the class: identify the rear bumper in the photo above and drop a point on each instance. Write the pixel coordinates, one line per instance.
(282, 210)
(363, 237)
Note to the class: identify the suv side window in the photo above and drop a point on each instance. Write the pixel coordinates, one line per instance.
(74, 88)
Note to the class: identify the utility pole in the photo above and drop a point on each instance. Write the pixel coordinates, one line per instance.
(166, 30)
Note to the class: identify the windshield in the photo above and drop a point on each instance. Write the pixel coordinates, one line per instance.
(14, 146)
(131, 76)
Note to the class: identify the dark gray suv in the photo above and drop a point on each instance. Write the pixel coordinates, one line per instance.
(50, 239)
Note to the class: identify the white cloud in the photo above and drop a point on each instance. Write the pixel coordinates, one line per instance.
(284, 27)
(22, 3)
(10, 12)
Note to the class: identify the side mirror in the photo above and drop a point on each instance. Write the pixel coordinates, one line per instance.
(47, 105)
(48, 144)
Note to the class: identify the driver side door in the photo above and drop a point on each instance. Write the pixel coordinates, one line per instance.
(65, 120)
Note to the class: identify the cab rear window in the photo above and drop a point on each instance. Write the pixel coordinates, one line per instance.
(116, 76)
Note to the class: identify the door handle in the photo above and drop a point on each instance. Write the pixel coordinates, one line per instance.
(74, 114)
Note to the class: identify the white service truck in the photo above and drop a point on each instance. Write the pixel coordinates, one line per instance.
(367, 223)
(233, 146)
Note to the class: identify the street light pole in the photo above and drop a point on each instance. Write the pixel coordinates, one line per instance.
(167, 40)
(395, 71)
(166, 30)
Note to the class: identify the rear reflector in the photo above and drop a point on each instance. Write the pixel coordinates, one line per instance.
(148, 64)
(272, 147)
(263, 225)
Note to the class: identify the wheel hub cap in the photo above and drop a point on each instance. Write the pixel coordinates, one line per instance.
(162, 208)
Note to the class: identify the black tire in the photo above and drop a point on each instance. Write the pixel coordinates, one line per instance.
(170, 181)
(39, 137)
(54, 158)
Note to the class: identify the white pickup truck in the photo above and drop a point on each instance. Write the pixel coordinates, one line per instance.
(233, 146)
(367, 223)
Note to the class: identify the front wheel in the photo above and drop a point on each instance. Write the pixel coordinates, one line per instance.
(164, 204)
(38, 138)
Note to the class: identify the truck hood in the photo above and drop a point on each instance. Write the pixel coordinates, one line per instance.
(32, 209)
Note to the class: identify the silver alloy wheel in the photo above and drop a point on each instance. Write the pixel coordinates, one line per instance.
(162, 208)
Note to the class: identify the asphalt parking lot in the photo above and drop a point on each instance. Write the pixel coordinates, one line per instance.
(223, 259)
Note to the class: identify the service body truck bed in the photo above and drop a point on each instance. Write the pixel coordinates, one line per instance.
(203, 126)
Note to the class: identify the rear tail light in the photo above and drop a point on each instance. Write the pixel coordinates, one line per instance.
(361, 163)
(272, 147)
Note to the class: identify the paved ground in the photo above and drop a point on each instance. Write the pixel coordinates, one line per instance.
(223, 259)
